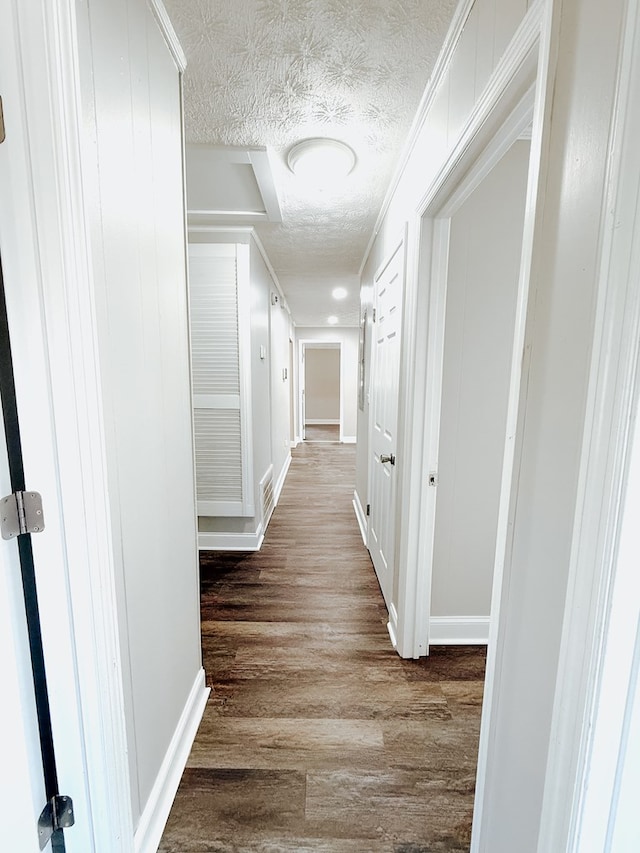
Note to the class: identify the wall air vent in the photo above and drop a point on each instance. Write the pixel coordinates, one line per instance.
(267, 498)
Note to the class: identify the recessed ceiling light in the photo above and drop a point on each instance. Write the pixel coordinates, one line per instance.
(320, 160)
(339, 292)
(332, 320)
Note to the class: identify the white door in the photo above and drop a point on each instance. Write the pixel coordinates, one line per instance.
(384, 417)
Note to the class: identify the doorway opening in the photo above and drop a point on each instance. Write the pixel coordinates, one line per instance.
(321, 392)
(482, 270)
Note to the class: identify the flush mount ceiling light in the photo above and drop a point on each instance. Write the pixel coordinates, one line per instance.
(332, 320)
(321, 161)
(339, 292)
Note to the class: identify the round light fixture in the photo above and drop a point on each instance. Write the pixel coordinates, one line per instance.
(339, 292)
(332, 320)
(321, 161)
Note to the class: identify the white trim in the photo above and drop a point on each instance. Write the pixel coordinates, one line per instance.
(360, 516)
(323, 421)
(392, 625)
(440, 68)
(167, 30)
(225, 509)
(349, 439)
(158, 806)
(495, 115)
(578, 797)
(459, 630)
(282, 476)
(231, 541)
(319, 344)
(260, 159)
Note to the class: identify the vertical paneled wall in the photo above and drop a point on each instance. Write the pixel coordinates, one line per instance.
(134, 183)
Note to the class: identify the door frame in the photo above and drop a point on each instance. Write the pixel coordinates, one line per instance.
(500, 118)
(52, 318)
(314, 343)
(598, 670)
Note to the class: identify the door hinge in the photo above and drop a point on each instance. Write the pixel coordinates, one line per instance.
(2, 132)
(21, 513)
(57, 814)
(368, 509)
(373, 319)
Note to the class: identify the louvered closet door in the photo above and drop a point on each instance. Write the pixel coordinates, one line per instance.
(220, 341)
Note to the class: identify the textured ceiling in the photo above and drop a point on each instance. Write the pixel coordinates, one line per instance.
(273, 72)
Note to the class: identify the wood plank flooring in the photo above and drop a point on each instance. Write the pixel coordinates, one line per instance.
(317, 737)
(322, 432)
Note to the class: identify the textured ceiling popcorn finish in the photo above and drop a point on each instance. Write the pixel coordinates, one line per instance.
(273, 72)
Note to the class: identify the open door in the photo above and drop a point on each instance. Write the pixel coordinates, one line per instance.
(389, 285)
(481, 297)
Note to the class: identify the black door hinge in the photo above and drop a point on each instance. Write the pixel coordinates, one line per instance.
(57, 814)
(368, 509)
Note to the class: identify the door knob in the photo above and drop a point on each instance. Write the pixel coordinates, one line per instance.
(390, 458)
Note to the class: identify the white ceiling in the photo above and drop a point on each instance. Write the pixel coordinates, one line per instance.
(273, 72)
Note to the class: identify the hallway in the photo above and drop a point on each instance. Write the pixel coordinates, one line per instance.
(317, 737)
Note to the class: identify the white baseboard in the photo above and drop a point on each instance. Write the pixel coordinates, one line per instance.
(321, 421)
(282, 476)
(156, 811)
(392, 626)
(459, 630)
(349, 439)
(361, 517)
(231, 541)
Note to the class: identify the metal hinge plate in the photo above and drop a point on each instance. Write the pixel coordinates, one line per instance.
(21, 513)
(57, 814)
(2, 133)
(368, 509)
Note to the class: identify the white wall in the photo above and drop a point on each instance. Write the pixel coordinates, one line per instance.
(281, 331)
(322, 385)
(349, 337)
(133, 175)
(484, 262)
(261, 368)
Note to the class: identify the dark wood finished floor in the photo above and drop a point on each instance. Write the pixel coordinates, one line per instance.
(317, 737)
